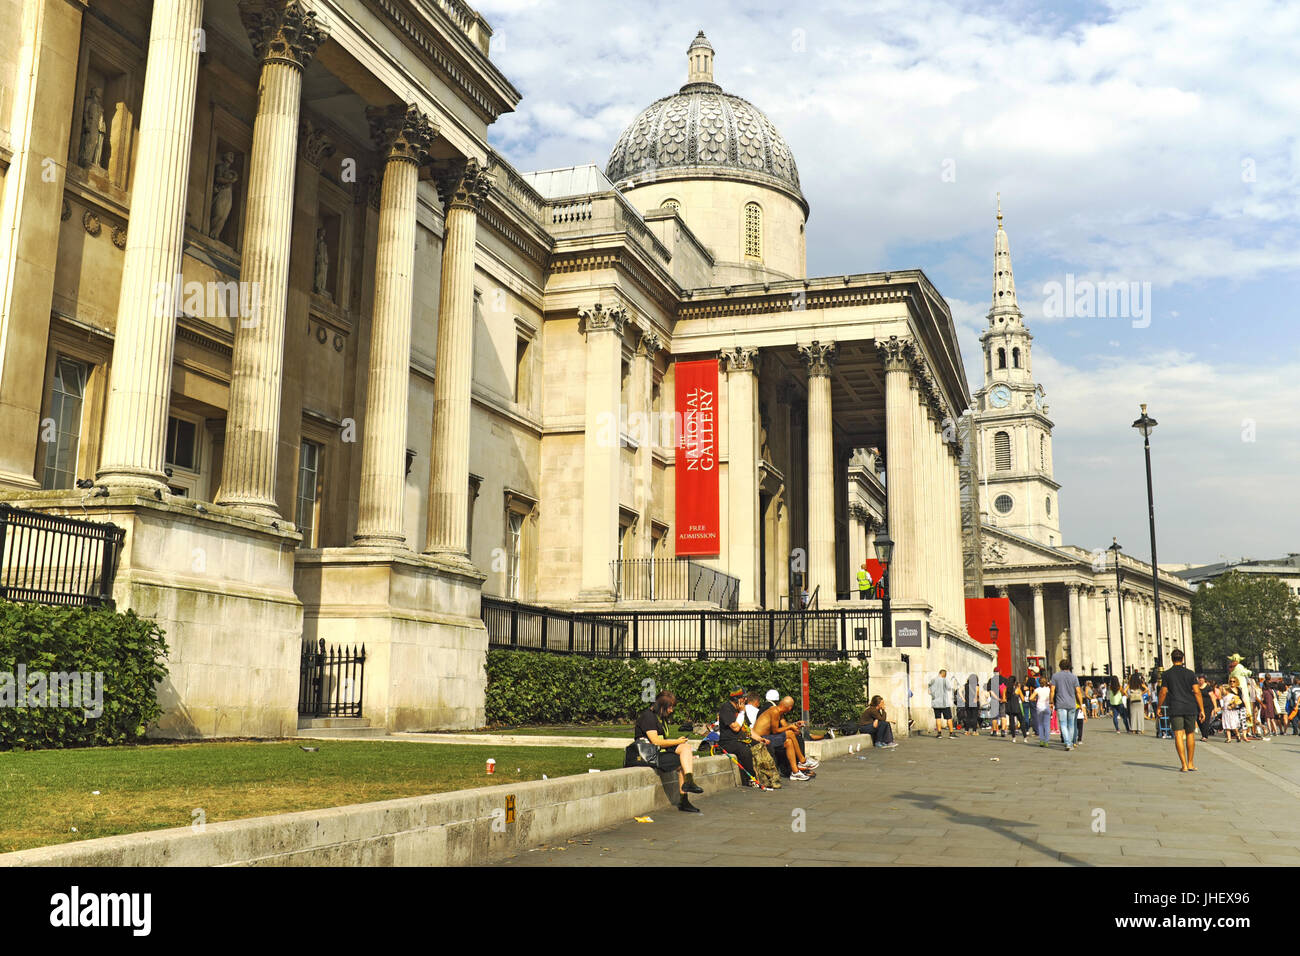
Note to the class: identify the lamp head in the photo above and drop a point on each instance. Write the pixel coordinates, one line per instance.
(884, 546)
(1145, 424)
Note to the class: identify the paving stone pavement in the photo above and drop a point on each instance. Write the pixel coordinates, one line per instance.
(950, 803)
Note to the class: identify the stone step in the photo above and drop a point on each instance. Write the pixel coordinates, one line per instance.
(347, 733)
(332, 723)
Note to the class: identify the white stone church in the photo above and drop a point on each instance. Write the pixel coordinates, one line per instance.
(341, 371)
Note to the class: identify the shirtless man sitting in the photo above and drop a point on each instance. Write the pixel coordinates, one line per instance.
(771, 725)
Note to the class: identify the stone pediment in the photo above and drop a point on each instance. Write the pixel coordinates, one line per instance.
(1002, 549)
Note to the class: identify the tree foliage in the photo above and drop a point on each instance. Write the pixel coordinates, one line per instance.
(1246, 614)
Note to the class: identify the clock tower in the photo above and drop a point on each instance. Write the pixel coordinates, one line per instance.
(1017, 490)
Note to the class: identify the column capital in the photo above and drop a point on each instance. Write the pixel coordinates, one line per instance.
(818, 357)
(282, 31)
(1037, 589)
(314, 143)
(601, 319)
(462, 184)
(739, 359)
(896, 354)
(648, 341)
(859, 512)
(1003, 591)
(401, 132)
(1074, 588)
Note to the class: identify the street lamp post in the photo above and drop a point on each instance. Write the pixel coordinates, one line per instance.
(1110, 653)
(884, 554)
(1119, 607)
(1145, 425)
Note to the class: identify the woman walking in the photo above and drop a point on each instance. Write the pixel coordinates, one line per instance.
(1118, 704)
(1043, 712)
(1230, 701)
(1013, 708)
(1137, 687)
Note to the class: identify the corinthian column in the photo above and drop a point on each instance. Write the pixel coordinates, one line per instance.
(602, 447)
(902, 519)
(819, 357)
(404, 135)
(1040, 627)
(742, 472)
(463, 187)
(135, 421)
(284, 36)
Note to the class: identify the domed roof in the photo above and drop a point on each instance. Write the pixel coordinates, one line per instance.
(700, 128)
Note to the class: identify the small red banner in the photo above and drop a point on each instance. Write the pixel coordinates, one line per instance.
(697, 458)
(803, 686)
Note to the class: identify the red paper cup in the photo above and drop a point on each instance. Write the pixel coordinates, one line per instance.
(491, 765)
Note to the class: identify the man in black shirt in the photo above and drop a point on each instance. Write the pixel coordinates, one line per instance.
(1180, 693)
(731, 721)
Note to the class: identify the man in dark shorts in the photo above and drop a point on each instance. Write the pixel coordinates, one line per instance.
(1180, 693)
(731, 717)
(674, 752)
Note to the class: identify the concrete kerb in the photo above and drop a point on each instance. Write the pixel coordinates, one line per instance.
(449, 829)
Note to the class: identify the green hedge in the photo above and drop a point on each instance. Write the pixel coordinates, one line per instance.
(127, 650)
(534, 688)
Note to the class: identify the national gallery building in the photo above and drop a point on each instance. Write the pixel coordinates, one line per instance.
(271, 303)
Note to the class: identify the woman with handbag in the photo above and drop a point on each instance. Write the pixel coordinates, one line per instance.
(1118, 705)
(663, 753)
(1136, 709)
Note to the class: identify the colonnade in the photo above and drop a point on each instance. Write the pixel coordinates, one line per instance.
(285, 36)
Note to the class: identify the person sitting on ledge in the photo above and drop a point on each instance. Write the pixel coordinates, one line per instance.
(731, 735)
(674, 753)
(783, 738)
(875, 723)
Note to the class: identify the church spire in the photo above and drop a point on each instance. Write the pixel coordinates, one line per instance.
(1004, 283)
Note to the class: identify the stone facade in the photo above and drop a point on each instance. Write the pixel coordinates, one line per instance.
(347, 352)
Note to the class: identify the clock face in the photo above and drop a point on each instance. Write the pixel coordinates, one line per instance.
(1000, 396)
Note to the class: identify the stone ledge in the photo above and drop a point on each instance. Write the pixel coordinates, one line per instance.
(449, 829)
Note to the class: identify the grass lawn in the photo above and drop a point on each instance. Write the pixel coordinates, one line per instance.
(45, 794)
(623, 731)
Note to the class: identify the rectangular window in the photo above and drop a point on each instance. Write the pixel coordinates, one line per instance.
(67, 398)
(182, 444)
(522, 382)
(514, 552)
(309, 492)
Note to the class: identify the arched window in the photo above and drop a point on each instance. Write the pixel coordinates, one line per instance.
(753, 231)
(1015, 357)
(1049, 506)
(1002, 358)
(1002, 451)
(672, 204)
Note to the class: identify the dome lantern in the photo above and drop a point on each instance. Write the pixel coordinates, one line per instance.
(699, 60)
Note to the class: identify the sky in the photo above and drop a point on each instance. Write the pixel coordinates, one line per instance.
(1150, 144)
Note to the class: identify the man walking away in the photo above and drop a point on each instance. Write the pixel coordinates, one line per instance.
(1181, 694)
(1067, 699)
(1292, 698)
(941, 701)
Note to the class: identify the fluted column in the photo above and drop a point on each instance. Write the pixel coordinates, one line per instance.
(404, 135)
(135, 419)
(649, 343)
(1078, 653)
(1040, 626)
(901, 490)
(284, 36)
(742, 472)
(819, 357)
(463, 188)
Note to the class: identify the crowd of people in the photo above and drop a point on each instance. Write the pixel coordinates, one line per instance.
(1242, 708)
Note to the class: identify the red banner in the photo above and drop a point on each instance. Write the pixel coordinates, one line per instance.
(987, 617)
(697, 458)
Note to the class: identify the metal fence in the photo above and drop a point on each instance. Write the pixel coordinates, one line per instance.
(673, 579)
(527, 627)
(50, 559)
(835, 634)
(331, 680)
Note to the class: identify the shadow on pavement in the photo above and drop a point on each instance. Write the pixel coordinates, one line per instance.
(1005, 828)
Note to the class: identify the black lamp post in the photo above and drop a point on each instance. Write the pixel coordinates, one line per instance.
(1119, 608)
(1145, 425)
(884, 554)
(1110, 656)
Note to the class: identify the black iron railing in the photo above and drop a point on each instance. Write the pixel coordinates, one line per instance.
(331, 680)
(512, 625)
(673, 579)
(834, 634)
(50, 559)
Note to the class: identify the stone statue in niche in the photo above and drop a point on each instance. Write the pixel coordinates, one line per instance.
(93, 130)
(224, 178)
(319, 285)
